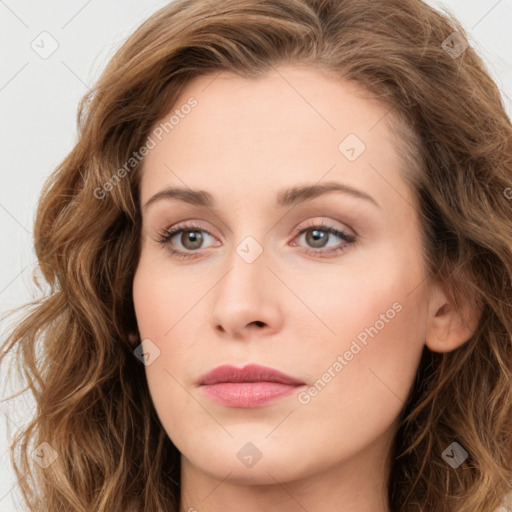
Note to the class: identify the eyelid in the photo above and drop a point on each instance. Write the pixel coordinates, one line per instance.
(316, 222)
(322, 223)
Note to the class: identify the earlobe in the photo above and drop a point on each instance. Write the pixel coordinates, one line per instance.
(450, 326)
(133, 338)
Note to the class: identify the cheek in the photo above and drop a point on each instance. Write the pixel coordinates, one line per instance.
(161, 318)
(373, 318)
(165, 312)
(161, 297)
(362, 375)
(346, 301)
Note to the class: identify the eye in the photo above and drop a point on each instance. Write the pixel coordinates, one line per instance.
(317, 236)
(191, 239)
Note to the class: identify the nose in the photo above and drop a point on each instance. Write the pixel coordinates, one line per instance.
(245, 301)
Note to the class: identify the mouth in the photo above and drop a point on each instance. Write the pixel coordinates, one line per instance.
(250, 386)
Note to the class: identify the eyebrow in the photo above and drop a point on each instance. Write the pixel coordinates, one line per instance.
(285, 198)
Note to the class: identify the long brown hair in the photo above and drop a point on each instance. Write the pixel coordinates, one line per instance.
(73, 344)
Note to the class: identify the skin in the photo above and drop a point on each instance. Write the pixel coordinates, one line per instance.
(243, 142)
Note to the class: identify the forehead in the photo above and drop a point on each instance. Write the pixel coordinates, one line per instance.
(293, 124)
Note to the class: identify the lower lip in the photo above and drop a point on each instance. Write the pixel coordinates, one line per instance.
(247, 394)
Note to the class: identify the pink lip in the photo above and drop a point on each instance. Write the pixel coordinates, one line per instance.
(250, 386)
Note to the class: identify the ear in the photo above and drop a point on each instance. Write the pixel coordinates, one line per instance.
(450, 326)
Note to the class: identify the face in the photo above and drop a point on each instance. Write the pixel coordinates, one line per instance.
(326, 286)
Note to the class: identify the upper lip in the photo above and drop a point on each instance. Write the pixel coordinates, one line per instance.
(249, 373)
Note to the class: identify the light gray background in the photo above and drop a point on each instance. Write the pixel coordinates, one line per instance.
(38, 102)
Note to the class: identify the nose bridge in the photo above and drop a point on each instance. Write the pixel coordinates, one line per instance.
(247, 263)
(249, 235)
(244, 296)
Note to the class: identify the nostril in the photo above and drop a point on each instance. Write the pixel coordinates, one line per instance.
(259, 324)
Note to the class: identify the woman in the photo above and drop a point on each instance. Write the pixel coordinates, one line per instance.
(206, 342)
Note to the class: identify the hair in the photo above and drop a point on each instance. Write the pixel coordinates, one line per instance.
(73, 346)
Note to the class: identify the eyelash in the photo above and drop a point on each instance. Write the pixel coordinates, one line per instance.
(166, 235)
